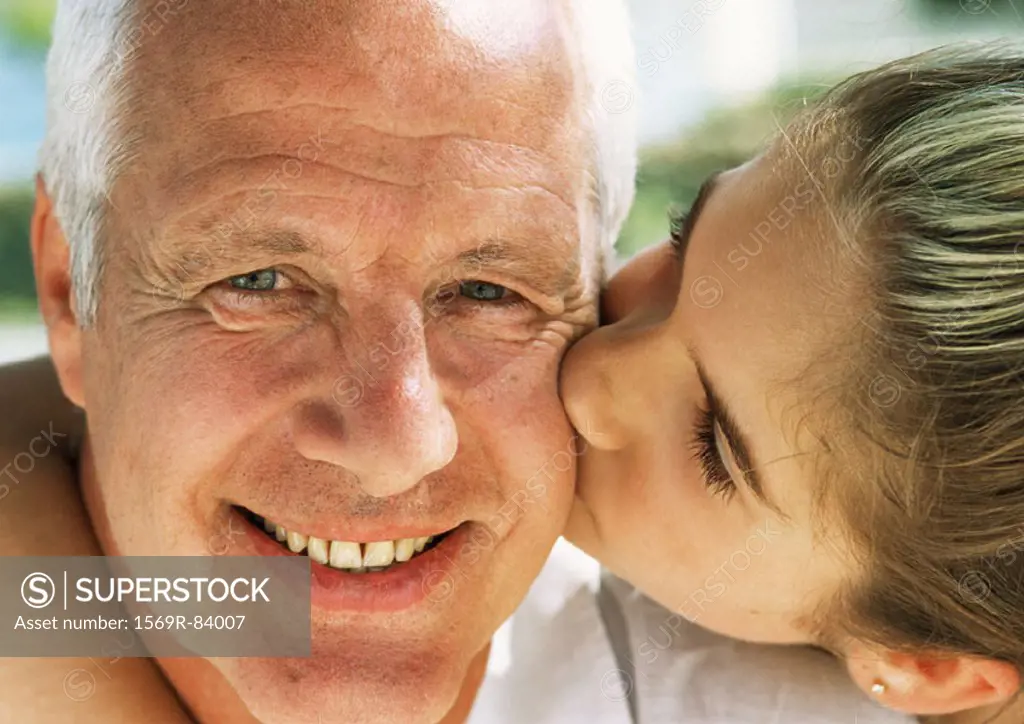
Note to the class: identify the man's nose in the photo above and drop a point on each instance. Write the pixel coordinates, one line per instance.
(386, 422)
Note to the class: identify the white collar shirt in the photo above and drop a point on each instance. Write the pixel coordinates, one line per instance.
(555, 662)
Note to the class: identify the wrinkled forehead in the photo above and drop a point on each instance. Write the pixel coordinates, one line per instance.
(496, 70)
(416, 55)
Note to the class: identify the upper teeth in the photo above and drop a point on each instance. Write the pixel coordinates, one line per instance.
(348, 554)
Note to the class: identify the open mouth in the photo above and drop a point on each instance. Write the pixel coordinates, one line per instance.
(348, 556)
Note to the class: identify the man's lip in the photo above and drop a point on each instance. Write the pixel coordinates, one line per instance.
(430, 578)
(356, 531)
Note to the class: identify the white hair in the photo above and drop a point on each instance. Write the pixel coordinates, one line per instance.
(87, 144)
(84, 145)
(609, 63)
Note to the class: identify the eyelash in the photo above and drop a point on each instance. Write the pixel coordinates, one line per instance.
(677, 224)
(705, 451)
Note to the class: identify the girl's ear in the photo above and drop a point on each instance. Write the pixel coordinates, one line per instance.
(931, 682)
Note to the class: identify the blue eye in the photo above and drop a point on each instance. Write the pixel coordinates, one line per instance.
(482, 291)
(261, 280)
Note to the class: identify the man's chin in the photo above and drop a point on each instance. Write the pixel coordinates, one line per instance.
(321, 690)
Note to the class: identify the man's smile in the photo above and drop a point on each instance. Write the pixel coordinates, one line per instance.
(376, 576)
(351, 556)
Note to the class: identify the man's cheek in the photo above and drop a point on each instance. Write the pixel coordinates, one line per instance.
(543, 493)
(154, 447)
(481, 540)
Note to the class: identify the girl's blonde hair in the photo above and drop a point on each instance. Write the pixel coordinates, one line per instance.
(930, 197)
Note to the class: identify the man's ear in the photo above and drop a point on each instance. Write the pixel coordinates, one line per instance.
(51, 261)
(931, 683)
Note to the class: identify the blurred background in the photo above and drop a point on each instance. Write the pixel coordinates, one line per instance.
(714, 80)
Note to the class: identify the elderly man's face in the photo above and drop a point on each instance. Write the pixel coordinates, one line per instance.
(343, 267)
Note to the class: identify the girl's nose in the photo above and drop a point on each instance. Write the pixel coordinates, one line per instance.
(611, 377)
(606, 383)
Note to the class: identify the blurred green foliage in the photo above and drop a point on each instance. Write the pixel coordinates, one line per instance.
(28, 21)
(16, 283)
(670, 175)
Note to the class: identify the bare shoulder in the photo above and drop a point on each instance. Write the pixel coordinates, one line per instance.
(42, 513)
(80, 691)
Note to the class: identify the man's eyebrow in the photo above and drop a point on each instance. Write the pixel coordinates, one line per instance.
(285, 243)
(282, 242)
(738, 443)
(547, 270)
(682, 224)
(189, 259)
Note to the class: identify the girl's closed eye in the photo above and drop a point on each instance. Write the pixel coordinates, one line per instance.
(707, 453)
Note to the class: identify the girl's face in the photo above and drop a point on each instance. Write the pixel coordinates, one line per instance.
(696, 484)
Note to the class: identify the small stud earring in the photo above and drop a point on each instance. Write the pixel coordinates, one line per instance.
(878, 688)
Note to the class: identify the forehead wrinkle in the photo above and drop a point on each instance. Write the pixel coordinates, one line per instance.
(472, 162)
(246, 204)
(434, 85)
(259, 89)
(395, 55)
(481, 180)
